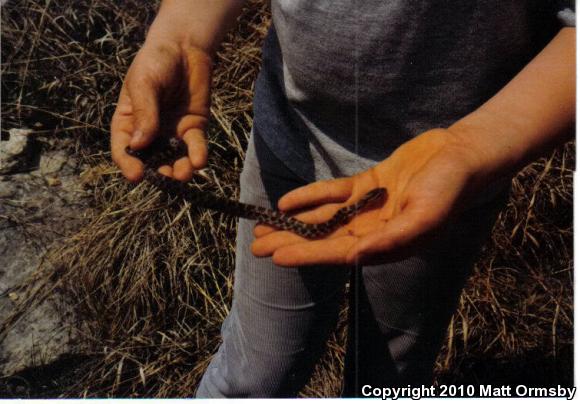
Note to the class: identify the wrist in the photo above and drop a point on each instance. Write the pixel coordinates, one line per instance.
(166, 33)
(200, 24)
(531, 115)
(491, 142)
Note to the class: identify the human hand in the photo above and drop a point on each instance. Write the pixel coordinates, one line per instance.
(427, 179)
(165, 93)
(433, 176)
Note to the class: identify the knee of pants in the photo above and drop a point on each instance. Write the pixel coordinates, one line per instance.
(255, 373)
(266, 356)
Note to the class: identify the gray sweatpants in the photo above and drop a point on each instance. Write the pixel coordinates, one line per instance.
(281, 317)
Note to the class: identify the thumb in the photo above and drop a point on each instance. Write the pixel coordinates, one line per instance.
(144, 96)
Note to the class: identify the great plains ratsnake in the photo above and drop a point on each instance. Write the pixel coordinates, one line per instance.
(166, 151)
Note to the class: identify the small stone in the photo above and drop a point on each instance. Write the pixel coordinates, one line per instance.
(52, 163)
(13, 296)
(15, 153)
(52, 181)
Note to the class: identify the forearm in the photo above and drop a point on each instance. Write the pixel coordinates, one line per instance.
(530, 115)
(198, 23)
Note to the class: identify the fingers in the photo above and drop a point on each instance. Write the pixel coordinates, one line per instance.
(333, 249)
(403, 231)
(144, 94)
(268, 239)
(323, 252)
(318, 215)
(370, 241)
(317, 193)
(192, 125)
(261, 230)
(182, 169)
(266, 246)
(199, 81)
(131, 167)
(166, 170)
(121, 126)
(196, 143)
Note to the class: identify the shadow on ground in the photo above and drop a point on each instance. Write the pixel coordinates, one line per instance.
(530, 369)
(55, 379)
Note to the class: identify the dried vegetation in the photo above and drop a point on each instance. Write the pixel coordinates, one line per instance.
(151, 284)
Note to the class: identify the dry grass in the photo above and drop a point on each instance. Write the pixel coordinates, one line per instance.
(151, 284)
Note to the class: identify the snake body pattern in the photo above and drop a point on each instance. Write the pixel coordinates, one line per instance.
(165, 151)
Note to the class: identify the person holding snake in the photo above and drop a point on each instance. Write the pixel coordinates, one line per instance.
(437, 103)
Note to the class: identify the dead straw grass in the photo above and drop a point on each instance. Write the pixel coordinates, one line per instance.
(151, 284)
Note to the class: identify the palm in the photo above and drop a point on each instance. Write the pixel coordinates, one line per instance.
(424, 183)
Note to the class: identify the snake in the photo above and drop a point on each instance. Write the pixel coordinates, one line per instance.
(166, 150)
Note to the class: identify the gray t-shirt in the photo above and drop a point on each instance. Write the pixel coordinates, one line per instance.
(345, 82)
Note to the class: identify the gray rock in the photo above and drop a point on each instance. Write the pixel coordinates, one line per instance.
(37, 208)
(52, 163)
(15, 153)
